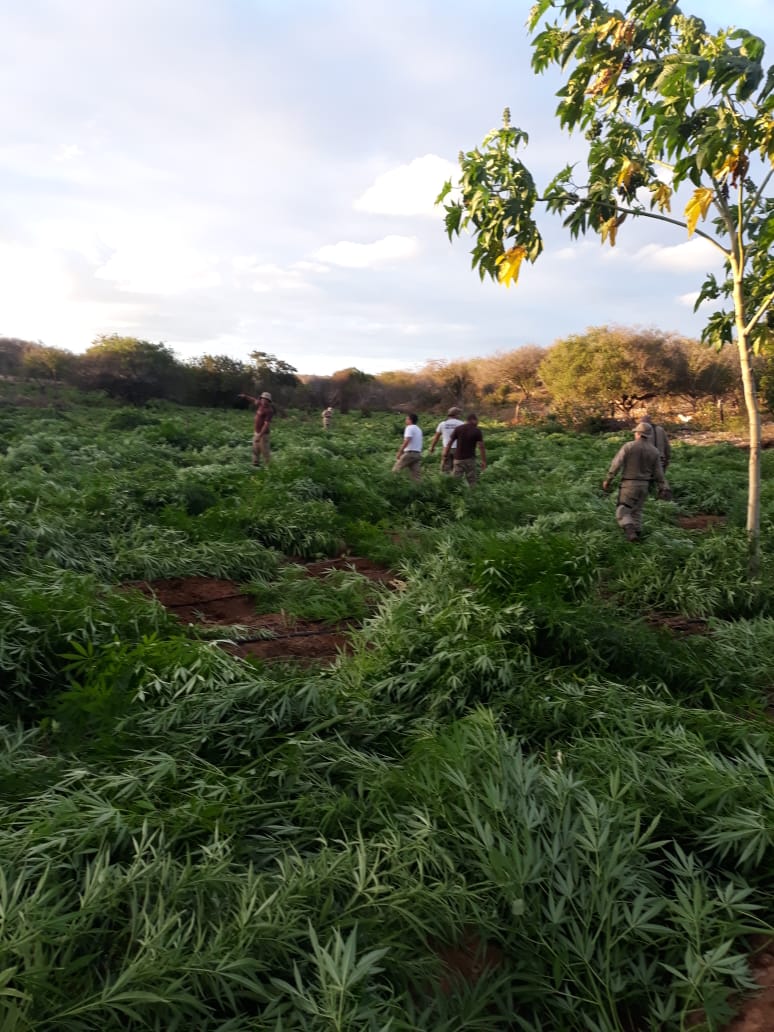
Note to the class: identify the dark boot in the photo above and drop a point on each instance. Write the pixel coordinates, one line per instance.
(631, 532)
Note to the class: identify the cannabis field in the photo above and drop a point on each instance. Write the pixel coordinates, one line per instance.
(533, 790)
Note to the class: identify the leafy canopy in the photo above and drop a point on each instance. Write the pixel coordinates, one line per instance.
(662, 103)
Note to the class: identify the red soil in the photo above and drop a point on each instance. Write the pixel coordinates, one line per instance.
(272, 636)
(757, 1012)
(701, 522)
(678, 624)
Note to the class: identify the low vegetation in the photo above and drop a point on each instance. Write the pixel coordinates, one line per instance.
(526, 800)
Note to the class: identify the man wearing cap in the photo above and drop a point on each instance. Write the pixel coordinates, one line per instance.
(444, 430)
(639, 464)
(264, 413)
(664, 449)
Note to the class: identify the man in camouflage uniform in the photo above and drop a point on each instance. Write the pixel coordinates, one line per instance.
(639, 463)
(660, 441)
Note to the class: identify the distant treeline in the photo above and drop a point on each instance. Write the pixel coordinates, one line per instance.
(607, 371)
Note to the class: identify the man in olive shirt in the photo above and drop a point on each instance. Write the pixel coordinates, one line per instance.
(639, 463)
(466, 437)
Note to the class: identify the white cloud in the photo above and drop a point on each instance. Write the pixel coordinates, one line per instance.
(409, 189)
(350, 255)
(40, 301)
(577, 252)
(68, 152)
(692, 256)
(151, 264)
(422, 329)
(689, 300)
(310, 267)
(268, 277)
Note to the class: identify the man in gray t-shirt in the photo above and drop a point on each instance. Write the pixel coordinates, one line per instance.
(444, 430)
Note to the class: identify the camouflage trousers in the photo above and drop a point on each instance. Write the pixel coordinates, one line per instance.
(447, 464)
(632, 495)
(466, 468)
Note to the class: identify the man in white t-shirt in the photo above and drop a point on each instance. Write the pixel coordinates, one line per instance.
(410, 452)
(444, 430)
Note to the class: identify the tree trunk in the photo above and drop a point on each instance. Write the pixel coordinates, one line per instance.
(754, 425)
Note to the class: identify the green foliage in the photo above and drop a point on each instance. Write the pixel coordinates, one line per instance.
(607, 369)
(339, 595)
(664, 103)
(524, 761)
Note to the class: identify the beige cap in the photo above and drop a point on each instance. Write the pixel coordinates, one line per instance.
(643, 428)
(454, 411)
(266, 395)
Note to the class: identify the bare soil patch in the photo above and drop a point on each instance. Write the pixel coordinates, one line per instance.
(682, 625)
(212, 602)
(735, 438)
(365, 567)
(467, 961)
(701, 522)
(756, 1012)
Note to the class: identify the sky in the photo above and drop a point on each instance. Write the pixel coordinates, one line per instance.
(229, 176)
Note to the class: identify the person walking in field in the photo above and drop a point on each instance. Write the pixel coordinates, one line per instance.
(264, 413)
(639, 464)
(660, 441)
(409, 454)
(664, 449)
(326, 417)
(462, 445)
(444, 431)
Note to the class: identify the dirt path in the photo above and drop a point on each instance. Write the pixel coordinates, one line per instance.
(739, 439)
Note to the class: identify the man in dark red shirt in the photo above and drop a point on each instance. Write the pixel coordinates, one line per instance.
(467, 437)
(264, 413)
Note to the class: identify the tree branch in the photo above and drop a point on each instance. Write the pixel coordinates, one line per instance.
(640, 213)
(724, 210)
(757, 197)
(760, 313)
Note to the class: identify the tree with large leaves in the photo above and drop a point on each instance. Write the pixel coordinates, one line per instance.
(128, 368)
(665, 105)
(608, 368)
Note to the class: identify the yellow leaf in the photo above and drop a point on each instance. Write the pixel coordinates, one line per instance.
(662, 196)
(603, 31)
(624, 33)
(765, 127)
(609, 229)
(734, 167)
(509, 263)
(698, 205)
(628, 169)
(608, 77)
